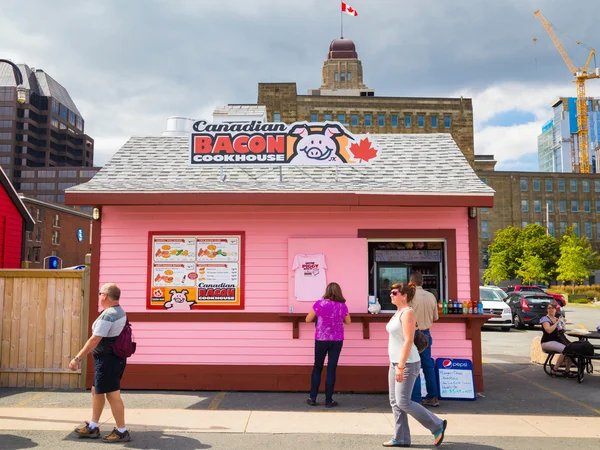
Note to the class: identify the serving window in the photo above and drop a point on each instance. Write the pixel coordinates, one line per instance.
(392, 261)
(195, 271)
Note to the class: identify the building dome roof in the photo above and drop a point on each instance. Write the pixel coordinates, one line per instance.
(342, 49)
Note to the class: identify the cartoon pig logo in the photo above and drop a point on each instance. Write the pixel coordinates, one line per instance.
(316, 147)
(179, 301)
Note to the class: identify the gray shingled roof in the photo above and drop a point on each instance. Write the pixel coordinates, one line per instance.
(408, 164)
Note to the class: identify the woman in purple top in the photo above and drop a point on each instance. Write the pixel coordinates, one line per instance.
(331, 313)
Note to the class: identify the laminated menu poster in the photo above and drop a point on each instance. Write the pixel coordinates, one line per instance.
(195, 272)
(455, 379)
(310, 279)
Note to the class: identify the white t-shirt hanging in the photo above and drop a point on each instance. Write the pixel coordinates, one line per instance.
(309, 272)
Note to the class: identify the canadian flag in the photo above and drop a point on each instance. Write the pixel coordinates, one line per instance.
(349, 9)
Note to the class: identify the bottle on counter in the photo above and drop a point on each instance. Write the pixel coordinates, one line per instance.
(475, 303)
(470, 309)
(445, 307)
(440, 308)
(457, 307)
(479, 308)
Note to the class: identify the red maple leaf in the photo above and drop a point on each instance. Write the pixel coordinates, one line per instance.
(363, 150)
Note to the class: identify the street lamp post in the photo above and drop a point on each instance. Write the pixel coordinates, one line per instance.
(21, 91)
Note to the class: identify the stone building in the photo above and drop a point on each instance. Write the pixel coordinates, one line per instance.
(553, 200)
(58, 231)
(344, 97)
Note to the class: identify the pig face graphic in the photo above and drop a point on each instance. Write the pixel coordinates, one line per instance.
(179, 300)
(316, 147)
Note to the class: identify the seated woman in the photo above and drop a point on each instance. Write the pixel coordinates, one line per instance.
(553, 340)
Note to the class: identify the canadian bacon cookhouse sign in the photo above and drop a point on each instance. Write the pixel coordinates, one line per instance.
(261, 143)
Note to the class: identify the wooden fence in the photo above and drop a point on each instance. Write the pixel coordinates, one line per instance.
(43, 324)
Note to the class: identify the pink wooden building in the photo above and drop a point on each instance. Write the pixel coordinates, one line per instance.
(411, 208)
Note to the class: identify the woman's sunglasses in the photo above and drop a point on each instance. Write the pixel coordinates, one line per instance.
(394, 292)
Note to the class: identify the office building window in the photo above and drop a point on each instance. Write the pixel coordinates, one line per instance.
(484, 229)
(548, 185)
(55, 237)
(587, 206)
(395, 120)
(597, 185)
(367, 120)
(588, 230)
(38, 215)
(327, 117)
(562, 206)
(524, 224)
(381, 120)
(551, 228)
(354, 120)
(276, 117)
(483, 179)
(28, 235)
(537, 206)
(421, 121)
(550, 205)
(563, 228)
(38, 233)
(598, 206)
(56, 222)
(485, 258)
(576, 229)
(538, 222)
(36, 254)
(314, 117)
(574, 206)
(336, 76)
(447, 121)
(598, 227)
(585, 185)
(28, 254)
(434, 121)
(341, 118)
(536, 185)
(573, 185)
(523, 184)
(524, 205)
(407, 121)
(342, 76)
(561, 185)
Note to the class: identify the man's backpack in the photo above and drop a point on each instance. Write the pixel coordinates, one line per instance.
(579, 348)
(124, 346)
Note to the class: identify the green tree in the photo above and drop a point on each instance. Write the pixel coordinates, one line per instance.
(504, 254)
(577, 259)
(539, 253)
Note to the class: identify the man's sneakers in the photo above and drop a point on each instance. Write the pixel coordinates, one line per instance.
(117, 436)
(87, 432)
(94, 433)
(431, 402)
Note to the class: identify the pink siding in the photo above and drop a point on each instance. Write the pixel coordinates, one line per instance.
(124, 244)
(11, 232)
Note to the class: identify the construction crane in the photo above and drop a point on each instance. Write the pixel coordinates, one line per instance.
(581, 76)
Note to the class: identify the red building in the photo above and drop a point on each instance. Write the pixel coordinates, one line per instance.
(14, 221)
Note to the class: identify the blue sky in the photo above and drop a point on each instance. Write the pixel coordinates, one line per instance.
(131, 64)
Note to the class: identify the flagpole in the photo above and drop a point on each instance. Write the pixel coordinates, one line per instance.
(342, 23)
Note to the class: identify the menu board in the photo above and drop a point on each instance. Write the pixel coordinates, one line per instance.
(455, 379)
(195, 271)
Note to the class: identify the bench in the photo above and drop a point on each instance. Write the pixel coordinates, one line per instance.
(548, 363)
(583, 363)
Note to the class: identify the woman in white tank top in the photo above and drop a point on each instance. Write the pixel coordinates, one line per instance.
(405, 365)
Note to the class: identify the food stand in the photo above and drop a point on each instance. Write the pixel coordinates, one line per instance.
(218, 243)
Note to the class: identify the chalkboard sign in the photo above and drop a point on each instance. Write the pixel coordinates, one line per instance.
(455, 379)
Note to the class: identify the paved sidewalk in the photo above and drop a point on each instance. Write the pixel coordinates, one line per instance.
(277, 422)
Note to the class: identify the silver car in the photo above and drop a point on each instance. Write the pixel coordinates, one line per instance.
(492, 298)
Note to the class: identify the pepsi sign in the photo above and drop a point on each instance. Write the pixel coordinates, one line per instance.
(53, 262)
(455, 379)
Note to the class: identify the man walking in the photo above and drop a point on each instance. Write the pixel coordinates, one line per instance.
(425, 307)
(108, 368)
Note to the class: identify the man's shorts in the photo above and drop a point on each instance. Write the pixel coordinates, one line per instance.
(108, 371)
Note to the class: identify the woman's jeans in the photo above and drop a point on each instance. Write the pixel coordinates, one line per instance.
(428, 372)
(402, 404)
(333, 350)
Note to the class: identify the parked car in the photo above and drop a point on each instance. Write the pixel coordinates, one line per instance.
(492, 298)
(528, 307)
(525, 288)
